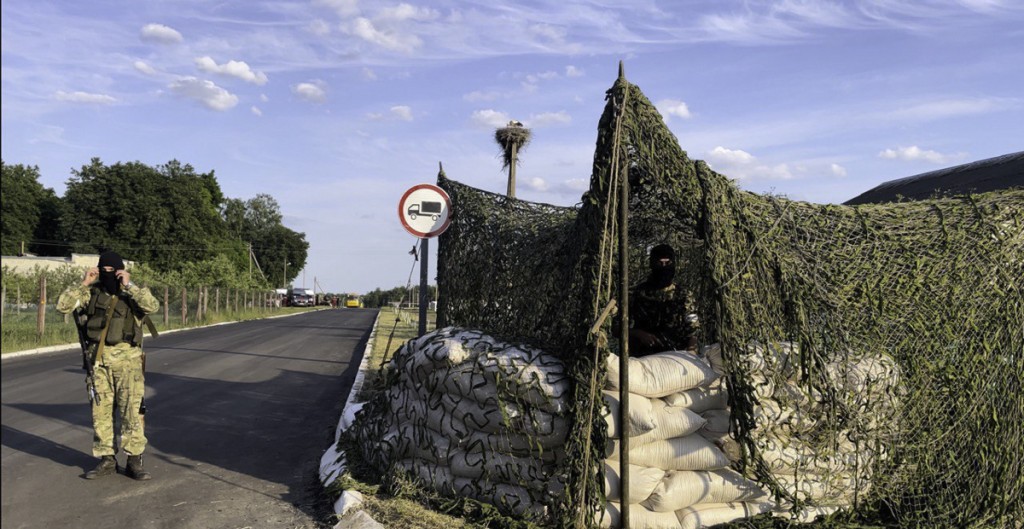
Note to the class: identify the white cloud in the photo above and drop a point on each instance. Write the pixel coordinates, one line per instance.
(160, 33)
(313, 92)
(144, 68)
(548, 32)
(673, 107)
(742, 165)
(403, 12)
(537, 184)
(489, 118)
(915, 153)
(838, 170)
(477, 96)
(572, 71)
(368, 74)
(402, 112)
(238, 69)
(205, 92)
(550, 118)
(728, 156)
(577, 184)
(264, 98)
(256, 111)
(319, 28)
(343, 8)
(85, 97)
(390, 39)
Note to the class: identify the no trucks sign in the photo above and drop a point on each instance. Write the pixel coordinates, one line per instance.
(424, 210)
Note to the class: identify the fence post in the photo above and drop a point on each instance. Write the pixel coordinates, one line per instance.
(216, 300)
(41, 319)
(184, 306)
(3, 303)
(206, 300)
(17, 305)
(167, 308)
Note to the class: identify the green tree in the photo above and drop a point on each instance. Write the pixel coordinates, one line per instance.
(164, 216)
(257, 221)
(29, 211)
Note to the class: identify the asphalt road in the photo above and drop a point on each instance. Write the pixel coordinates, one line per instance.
(238, 418)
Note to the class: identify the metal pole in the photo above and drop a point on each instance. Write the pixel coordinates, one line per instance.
(624, 357)
(41, 313)
(424, 260)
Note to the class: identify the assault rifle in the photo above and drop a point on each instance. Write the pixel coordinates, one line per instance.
(80, 318)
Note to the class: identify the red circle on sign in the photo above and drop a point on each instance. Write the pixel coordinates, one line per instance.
(448, 207)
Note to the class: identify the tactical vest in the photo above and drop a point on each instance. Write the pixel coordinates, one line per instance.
(124, 326)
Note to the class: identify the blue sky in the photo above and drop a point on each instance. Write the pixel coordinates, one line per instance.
(336, 107)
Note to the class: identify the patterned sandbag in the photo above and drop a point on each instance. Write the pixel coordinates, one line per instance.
(684, 488)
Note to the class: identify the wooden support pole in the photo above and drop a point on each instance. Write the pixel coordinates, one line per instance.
(184, 306)
(624, 357)
(167, 307)
(41, 313)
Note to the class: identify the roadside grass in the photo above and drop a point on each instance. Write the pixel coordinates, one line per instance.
(20, 331)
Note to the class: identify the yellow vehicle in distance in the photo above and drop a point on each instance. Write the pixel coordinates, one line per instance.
(353, 301)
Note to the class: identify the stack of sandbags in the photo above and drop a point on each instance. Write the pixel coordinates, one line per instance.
(679, 437)
(471, 416)
(820, 470)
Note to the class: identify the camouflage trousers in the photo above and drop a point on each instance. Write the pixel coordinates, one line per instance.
(120, 386)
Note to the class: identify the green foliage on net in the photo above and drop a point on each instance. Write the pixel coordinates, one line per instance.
(932, 285)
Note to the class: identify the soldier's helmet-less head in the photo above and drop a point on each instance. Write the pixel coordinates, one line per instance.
(110, 263)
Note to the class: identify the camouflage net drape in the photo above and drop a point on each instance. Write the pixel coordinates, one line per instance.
(927, 292)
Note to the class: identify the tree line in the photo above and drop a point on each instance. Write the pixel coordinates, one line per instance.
(172, 220)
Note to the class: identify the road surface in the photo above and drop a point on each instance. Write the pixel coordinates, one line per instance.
(238, 417)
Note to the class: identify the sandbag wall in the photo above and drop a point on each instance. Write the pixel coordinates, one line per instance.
(471, 416)
(681, 448)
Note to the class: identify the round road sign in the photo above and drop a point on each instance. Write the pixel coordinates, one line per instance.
(424, 210)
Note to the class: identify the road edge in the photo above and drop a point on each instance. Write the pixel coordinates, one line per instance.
(75, 345)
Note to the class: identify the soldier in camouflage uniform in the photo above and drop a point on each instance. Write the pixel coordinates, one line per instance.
(118, 381)
(658, 309)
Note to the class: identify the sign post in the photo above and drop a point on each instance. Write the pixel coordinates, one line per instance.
(424, 212)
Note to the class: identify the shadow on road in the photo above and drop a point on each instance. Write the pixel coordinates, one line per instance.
(45, 449)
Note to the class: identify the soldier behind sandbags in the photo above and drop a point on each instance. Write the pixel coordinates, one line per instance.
(658, 311)
(115, 308)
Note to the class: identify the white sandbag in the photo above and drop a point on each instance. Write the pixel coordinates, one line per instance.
(639, 517)
(509, 499)
(717, 421)
(642, 481)
(701, 399)
(692, 452)
(670, 421)
(713, 355)
(683, 488)
(709, 514)
(641, 416)
(661, 374)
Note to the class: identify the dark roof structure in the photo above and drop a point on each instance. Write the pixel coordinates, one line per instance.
(992, 174)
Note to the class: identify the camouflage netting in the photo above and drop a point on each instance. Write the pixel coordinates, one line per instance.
(896, 330)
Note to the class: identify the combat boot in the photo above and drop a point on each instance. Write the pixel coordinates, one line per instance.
(107, 466)
(134, 469)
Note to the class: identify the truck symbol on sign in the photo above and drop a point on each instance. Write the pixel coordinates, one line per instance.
(425, 208)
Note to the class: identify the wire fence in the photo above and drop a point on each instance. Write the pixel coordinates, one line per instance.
(29, 316)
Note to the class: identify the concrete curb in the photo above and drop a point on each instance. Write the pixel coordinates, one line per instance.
(75, 345)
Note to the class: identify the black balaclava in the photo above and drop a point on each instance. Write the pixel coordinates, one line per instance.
(108, 280)
(661, 276)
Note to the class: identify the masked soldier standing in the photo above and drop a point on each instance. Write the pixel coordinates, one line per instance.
(115, 308)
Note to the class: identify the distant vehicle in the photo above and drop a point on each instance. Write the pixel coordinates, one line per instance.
(353, 301)
(301, 297)
(425, 208)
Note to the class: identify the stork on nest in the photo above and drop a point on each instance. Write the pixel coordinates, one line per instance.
(511, 138)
